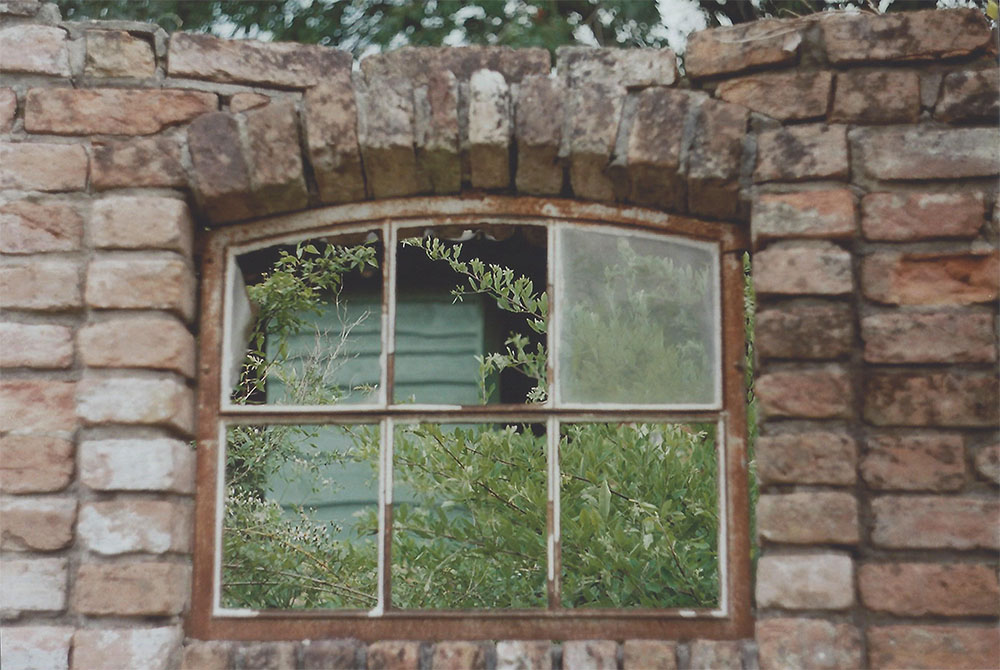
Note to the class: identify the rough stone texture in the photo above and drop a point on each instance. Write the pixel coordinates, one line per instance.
(137, 465)
(132, 648)
(147, 402)
(987, 463)
(714, 159)
(418, 64)
(921, 589)
(814, 393)
(797, 153)
(141, 222)
(330, 121)
(36, 524)
(807, 458)
(803, 268)
(654, 147)
(804, 330)
(37, 405)
(807, 643)
(131, 589)
(805, 581)
(111, 111)
(787, 96)
(649, 655)
(8, 109)
(31, 647)
(35, 346)
(33, 585)
(714, 654)
(915, 462)
(280, 64)
(922, 216)
(275, 159)
(41, 285)
(830, 214)
(38, 225)
(386, 135)
(437, 131)
(877, 96)
(141, 283)
(935, 522)
(932, 399)
(968, 96)
(592, 117)
(940, 337)
(325, 654)
(156, 342)
(458, 655)
(852, 38)
(590, 654)
(912, 647)
(115, 53)
(524, 655)
(129, 525)
(242, 102)
(212, 655)
(266, 656)
(538, 113)
(34, 49)
(808, 518)
(393, 655)
(737, 48)
(140, 161)
(907, 153)
(39, 166)
(221, 173)
(35, 464)
(631, 68)
(931, 278)
(489, 130)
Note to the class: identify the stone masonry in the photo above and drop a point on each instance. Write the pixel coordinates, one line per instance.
(862, 152)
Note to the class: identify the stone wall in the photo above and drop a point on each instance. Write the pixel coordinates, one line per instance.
(861, 150)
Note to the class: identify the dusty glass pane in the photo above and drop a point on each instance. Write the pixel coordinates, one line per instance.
(637, 320)
(469, 517)
(311, 333)
(639, 515)
(300, 523)
(471, 316)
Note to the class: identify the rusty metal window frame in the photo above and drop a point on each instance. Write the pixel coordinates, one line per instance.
(218, 248)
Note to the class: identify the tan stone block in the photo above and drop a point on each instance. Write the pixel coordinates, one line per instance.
(127, 525)
(132, 648)
(489, 130)
(921, 216)
(590, 654)
(806, 581)
(386, 135)
(987, 463)
(418, 64)
(942, 337)
(275, 158)
(459, 655)
(40, 285)
(33, 585)
(970, 95)
(931, 278)
(714, 159)
(8, 109)
(31, 226)
(37, 405)
(877, 96)
(221, 179)
(829, 214)
(814, 457)
(932, 399)
(34, 49)
(138, 401)
(915, 462)
(803, 268)
(650, 654)
(158, 343)
(213, 655)
(141, 282)
(909, 647)
(112, 111)
(935, 522)
(524, 655)
(816, 517)
(714, 654)
(242, 102)
(592, 117)
(805, 330)
(141, 222)
(265, 656)
(394, 655)
(538, 125)
(35, 464)
(653, 153)
(935, 589)
(36, 523)
(787, 96)
(908, 153)
(26, 647)
(323, 654)
(42, 166)
(131, 589)
(137, 465)
(807, 643)
(138, 161)
(331, 129)
(35, 346)
(798, 153)
(631, 68)
(813, 393)
(115, 53)
(737, 48)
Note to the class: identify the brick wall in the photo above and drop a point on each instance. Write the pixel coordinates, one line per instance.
(862, 151)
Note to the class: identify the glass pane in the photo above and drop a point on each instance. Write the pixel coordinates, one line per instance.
(300, 524)
(469, 517)
(637, 319)
(639, 515)
(311, 326)
(471, 316)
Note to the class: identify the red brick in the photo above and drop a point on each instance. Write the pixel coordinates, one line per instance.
(36, 523)
(141, 282)
(36, 646)
(32, 226)
(35, 346)
(221, 177)
(922, 216)
(933, 647)
(524, 655)
(141, 222)
(590, 654)
(743, 46)
(931, 279)
(275, 158)
(242, 102)
(829, 214)
(788, 96)
(265, 656)
(941, 337)
(137, 465)
(987, 462)
(330, 119)
(918, 152)
(147, 648)
(37, 405)
(714, 654)
(813, 393)
(137, 401)
(807, 643)
(932, 399)
(131, 589)
(714, 159)
(38, 166)
(820, 517)
(139, 161)
(806, 458)
(649, 654)
(804, 330)
(8, 109)
(394, 655)
(915, 462)
(34, 49)
(971, 95)
(805, 581)
(803, 268)
(35, 464)
(159, 343)
(877, 96)
(111, 111)
(128, 525)
(935, 589)
(935, 522)
(325, 654)
(115, 53)
(33, 585)
(798, 153)
(458, 656)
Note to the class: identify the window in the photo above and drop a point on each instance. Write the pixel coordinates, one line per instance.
(447, 418)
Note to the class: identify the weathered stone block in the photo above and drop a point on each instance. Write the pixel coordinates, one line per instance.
(908, 153)
(524, 655)
(30, 647)
(418, 64)
(807, 643)
(394, 655)
(915, 462)
(221, 173)
(879, 96)
(489, 130)
(713, 162)
(797, 153)
(830, 214)
(141, 222)
(214, 655)
(653, 154)
(139, 161)
(141, 283)
(33, 585)
(649, 654)
(437, 131)
(35, 346)
(932, 399)
(812, 393)
(459, 655)
(275, 160)
(970, 95)
(265, 656)
(34, 49)
(147, 402)
(159, 343)
(39, 225)
(8, 109)
(920, 216)
(935, 522)
(146, 648)
(804, 330)
(243, 102)
(713, 654)
(630, 68)
(931, 278)
(940, 337)
(803, 268)
(910, 647)
(807, 458)
(38, 166)
(590, 654)
(127, 525)
(936, 589)
(131, 589)
(737, 48)
(821, 517)
(35, 464)
(324, 654)
(987, 462)
(787, 96)
(806, 581)
(36, 524)
(37, 405)
(591, 128)
(330, 120)
(115, 53)
(386, 135)
(538, 122)
(41, 285)
(112, 111)
(137, 465)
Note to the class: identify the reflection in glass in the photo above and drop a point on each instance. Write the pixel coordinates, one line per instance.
(469, 517)
(300, 524)
(639, 515)
(636, 320)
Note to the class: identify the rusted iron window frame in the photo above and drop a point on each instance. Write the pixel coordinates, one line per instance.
(731, 619)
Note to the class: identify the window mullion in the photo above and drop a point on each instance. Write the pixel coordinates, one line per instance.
(388, 314)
